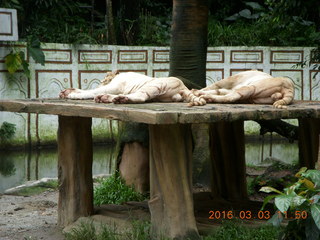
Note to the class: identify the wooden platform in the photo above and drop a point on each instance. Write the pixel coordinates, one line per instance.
(170, 152)
(162, 113)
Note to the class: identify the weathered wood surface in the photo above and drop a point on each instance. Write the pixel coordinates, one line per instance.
(74, 169)
(162, 113)
(309, 133)
(227, 148)
(171, 200)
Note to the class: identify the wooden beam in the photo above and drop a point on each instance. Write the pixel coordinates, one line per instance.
(171, 200)
(74, 169)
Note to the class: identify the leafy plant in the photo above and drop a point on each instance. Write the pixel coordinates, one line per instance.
(300, 204)
(113, 190)
(7, 130)
(16, 59)
(247, 13)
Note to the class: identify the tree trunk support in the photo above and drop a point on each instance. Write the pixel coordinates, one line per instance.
(227, 146)
(74, 169)
(171, 200)
(309, 130)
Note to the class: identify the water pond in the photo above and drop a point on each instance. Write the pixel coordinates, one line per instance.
(17, 167)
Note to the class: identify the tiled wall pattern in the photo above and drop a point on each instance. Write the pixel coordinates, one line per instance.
(83, 66)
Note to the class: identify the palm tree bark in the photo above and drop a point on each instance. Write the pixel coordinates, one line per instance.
(188, 49)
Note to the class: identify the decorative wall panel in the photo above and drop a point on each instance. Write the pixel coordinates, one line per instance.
(214, 75)
(160, 56)
(132, 56)
(49, 83)
(286, 56)
(215, 56)
(89, 79)
(160, 73)
(315, 85)
(9, 25)
(16, 86)
(62, 56)
(95, 56)
(6, 49)
(296, 76)
(246, 56)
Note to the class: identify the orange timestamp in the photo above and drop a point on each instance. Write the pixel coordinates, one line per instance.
(243, 214)
(250, 215)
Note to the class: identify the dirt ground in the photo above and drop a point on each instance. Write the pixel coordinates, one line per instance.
(29, 218)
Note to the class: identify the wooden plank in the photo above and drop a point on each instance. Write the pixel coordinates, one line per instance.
(162, 113)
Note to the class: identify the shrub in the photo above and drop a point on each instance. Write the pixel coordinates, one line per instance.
(7, 130)
(300, 204)
(113, 190)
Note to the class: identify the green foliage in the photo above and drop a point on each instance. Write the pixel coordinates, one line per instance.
(88, 231)
(16, 60)
(13, 61)
(7, 130)
(301, 196)
(236, 230)
(113, 190)
(231, 23)
(83, 232)
(141, 231)
(274, 23)
(34, 49)
(154, 30)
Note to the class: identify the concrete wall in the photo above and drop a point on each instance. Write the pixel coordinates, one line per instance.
(82, 66)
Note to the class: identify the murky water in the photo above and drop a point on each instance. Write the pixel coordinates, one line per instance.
(17, 167)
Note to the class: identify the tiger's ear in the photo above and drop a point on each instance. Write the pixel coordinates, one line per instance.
(115, 72)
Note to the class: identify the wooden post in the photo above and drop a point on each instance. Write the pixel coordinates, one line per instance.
(171, 200)
(74, 169)
(309, 130)
(227, 147)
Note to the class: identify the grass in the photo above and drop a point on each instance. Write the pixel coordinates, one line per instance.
(141, 231)
(236, 230)
(113, 190)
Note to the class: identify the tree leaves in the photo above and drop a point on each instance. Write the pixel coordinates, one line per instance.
(301, 196)
(315, 212)
(13, 62)
(16, 60)
(283, 202)
(35, 51)
(314, 175)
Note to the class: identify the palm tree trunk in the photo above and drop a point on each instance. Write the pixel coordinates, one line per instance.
(188, 49)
